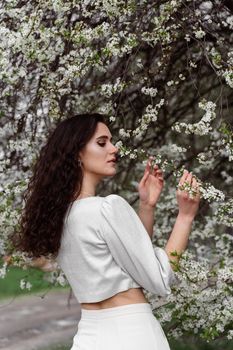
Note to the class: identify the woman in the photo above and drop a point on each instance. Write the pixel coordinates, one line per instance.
(101, 244)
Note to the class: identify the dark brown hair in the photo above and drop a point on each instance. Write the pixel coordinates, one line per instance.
(56, 178)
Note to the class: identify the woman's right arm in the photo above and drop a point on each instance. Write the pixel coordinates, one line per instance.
(188, 208)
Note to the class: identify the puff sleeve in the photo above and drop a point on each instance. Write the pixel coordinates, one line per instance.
(132, 248)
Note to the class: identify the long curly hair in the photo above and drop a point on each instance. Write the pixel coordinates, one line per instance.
(56, 181)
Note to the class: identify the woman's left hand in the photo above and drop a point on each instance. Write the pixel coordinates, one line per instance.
(151, 185)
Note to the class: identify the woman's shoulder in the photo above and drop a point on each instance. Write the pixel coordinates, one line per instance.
(114, 198)
(115, 201)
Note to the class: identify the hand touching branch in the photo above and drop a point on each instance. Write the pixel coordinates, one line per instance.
(188, 199)
(151, 184)
(188, 195)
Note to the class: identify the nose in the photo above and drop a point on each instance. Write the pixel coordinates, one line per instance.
(114, 152)
(115, 149)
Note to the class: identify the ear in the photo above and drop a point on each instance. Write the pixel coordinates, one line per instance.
(80, 155)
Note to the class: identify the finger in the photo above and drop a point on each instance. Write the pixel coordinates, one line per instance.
(195, 186)
(189, 178)
(194, 181)
(148, 166)
(157, 173)
(160, 176)
(156, 168)
(150, 160)
(144, 178)
(183, 178)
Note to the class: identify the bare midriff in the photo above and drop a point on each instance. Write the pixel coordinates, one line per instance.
(130, 296)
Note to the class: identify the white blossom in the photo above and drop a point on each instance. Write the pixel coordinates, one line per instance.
(203, 126)
(199, 34)
(3, 270)
(61, 279)
(25, 284)
(113, 59)
(149, 91)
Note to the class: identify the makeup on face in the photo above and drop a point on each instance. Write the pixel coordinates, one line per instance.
(100, 154)
(100, 140)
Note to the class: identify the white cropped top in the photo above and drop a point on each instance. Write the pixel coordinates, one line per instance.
(105, 249)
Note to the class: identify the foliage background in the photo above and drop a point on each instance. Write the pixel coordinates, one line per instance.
(163, 73)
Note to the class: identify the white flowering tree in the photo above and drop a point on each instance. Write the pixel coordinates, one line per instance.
(162, 71)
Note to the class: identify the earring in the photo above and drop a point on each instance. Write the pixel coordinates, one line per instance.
(79, 162)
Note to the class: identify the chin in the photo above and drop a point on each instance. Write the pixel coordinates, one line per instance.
(110, 173)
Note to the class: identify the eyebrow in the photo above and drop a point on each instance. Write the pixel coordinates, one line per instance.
(103, 137)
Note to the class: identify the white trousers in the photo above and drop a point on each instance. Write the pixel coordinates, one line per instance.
(126, 327)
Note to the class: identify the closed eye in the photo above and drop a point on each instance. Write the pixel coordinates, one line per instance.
(101, 144)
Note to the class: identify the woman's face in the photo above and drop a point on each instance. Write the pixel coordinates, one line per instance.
(96, 156)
